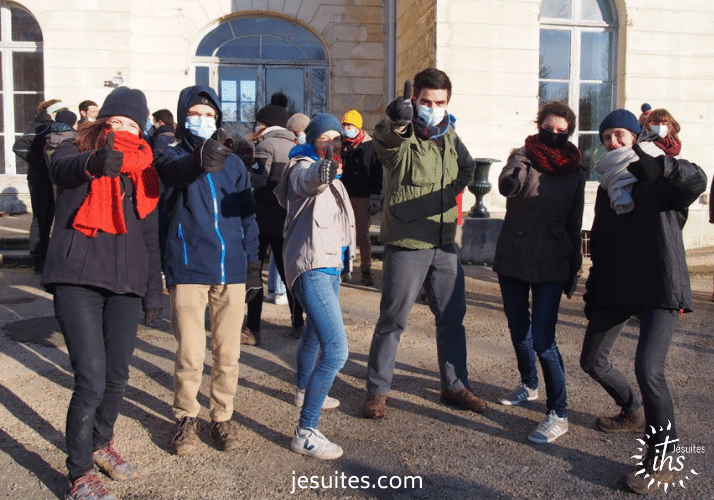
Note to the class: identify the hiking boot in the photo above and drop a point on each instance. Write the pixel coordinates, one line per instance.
(644, 479)
(550, 429)
(249, 338)
(464, 399)
(374, 405)
(518, 395)
(87, 487)
(225, 434)
(623, 422)
(311, 443)
(185, 441)
(367, 278)
(328, 404)
(113, 465)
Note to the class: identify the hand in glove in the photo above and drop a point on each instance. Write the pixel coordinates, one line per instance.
(253, 281)
(374, 205)
(106, 161)
(327, 167)
(211, 155)
(508, 186)
(400, 110)
(570, 285)
(647, 168)
(151, 314)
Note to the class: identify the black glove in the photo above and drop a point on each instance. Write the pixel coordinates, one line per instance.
(400, 110)
(106, 161)
(211, 155)
(509, 185)
(151, 314)
(327, 167)
(647, 168)
(374, 204)
(253, 280)
(570, 285)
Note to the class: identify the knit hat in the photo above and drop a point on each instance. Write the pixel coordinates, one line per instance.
(202, 98)
(645, 107)
(67, 117)
(620, 118)
(123, 101)
(297, 123)
(274, 114)
(319, 124)
(352, 118)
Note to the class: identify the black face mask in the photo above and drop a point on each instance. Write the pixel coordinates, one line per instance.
(553, 140)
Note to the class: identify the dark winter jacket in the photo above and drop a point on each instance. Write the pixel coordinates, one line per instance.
(362, 171)
(270, 159)
(540, 238)
(638, 258)
(59, 132)
(162, 137)
(31, 146)
(124, 263)
(211, 228)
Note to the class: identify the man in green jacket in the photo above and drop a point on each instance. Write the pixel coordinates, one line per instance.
(425, 167)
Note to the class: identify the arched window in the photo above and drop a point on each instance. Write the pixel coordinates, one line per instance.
(22, 80)
(578, 48)
(247, 59)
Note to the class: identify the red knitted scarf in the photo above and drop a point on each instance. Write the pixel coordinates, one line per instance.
(552, 161)
(669, 145)
(102, 209)
(357, 140)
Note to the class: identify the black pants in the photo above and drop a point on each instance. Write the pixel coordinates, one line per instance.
(255, 306)
(99, 328)
(42, 198)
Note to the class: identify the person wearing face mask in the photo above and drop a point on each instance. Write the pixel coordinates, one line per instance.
(639, 269)
(211, 256)
(273, 142)
(102, 269)
(88, 111)
(319, 243)
(426, 166)
(662, 123)
(363, 179)
(538, 255)
(297, 124)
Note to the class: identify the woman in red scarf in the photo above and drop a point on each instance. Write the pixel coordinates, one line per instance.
(539, 253)
(102, 268)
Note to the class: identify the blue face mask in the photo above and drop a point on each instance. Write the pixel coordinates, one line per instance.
(148, 124)
(432, 116)
(351, 133)
(301, 138)
(201, 126)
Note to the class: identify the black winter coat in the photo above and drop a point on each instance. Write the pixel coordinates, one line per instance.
(31, 146)
(125, 263)
(362, 171)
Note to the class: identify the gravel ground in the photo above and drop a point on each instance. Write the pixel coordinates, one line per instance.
(422, 450)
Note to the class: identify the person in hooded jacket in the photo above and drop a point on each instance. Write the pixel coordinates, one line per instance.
(638, 269)
(63, 129)
(273, 142)
(539, 252)
(211, 256)
(102, 268)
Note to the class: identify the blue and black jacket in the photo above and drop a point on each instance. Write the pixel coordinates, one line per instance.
(210, 220)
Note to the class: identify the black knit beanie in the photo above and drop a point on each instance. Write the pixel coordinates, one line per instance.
(123, 101)
(67, 117)
(274, 114)
(620, 118)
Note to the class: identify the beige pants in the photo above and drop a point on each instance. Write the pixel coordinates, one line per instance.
(188, 307)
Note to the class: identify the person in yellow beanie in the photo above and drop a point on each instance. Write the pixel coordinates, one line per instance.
(362, 176)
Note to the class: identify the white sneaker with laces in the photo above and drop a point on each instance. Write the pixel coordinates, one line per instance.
(328, 404)
(281, 299)
(311, 443)
(518, 395)
(550, 429)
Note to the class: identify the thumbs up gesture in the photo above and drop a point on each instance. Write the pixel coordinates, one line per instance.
(400, 110)
(328, 167)
(106, 161)
(211, 155)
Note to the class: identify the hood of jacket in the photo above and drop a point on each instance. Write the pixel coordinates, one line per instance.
(187, 95)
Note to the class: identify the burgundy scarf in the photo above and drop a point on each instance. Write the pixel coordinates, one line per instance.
(552, 161)
(357, 140)
(670, 146)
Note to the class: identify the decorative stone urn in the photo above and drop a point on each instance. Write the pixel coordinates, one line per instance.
(480, 186)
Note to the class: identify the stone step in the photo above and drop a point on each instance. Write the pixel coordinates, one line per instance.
(14, 243)
(15, 258)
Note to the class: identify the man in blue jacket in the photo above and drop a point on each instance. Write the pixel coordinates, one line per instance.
(211, 256)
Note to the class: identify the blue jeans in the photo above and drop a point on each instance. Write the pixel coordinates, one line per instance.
(535, 334)
(99, 328)
(275, 282)
(323, 345)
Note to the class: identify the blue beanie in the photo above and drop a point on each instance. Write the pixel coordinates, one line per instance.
(319, 124)
(123, 101)
(620, 118)
(645, 107)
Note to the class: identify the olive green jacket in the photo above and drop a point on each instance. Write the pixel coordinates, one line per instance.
(421, 183)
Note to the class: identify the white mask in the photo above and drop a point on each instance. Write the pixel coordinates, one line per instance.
(201, 126)
(431, 116)
(301, 138)
(660, 130)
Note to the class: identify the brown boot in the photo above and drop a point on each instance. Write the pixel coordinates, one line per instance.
(185, 441)
(465, 399)
(644, 479)
(374, 405)
(623, 422)
(225, 434)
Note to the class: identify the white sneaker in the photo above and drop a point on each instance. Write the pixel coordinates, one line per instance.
(550, 429)
(518, 395)
(329, 404)
(281, 299)
(311, 443)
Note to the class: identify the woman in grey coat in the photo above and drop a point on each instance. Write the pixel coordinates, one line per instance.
(539, 252)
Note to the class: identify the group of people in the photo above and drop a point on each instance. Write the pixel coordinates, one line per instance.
(196, 207)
